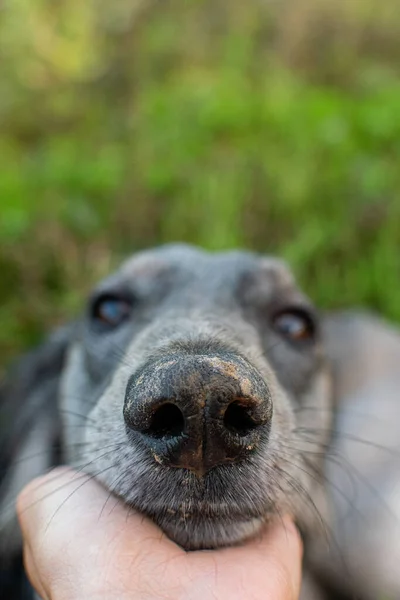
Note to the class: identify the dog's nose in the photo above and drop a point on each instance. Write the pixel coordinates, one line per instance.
(197, 412)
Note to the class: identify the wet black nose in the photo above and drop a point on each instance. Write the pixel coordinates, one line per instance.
(197, 412)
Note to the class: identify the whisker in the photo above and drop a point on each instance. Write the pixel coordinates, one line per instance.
(77, 468)
(60, 475)
(89, 478)
(328, 532)
(334, 458)
(301, 490)
(60, 446)
(347, 436)
(111, 487)
(86, 417)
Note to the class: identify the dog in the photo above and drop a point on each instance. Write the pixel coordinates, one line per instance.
(207, 392)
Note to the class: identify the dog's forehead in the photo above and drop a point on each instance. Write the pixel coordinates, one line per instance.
(186, 264)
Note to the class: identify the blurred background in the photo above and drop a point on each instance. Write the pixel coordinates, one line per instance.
(272, 125)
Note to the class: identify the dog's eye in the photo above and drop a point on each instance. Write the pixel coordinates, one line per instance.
(295, 325)
(111, 310)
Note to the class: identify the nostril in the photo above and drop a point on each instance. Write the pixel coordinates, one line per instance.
(167, 422)
(238, 418)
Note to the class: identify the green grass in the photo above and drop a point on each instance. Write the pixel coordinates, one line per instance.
(271, 126)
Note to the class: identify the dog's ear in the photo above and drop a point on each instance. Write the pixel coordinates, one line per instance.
(29, 426)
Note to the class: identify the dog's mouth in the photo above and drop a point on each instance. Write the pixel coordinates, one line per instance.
(193, 512)
(223, 508)
(202, 525)
(199, 533)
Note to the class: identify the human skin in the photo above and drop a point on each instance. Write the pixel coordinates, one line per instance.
(81, 543)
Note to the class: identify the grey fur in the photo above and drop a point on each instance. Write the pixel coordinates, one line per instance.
(196, 303)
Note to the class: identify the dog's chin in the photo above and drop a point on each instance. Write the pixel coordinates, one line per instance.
(205, 534)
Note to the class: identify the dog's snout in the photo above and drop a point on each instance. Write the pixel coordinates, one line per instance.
(197, 412)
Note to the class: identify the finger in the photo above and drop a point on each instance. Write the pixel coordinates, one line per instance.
(33, 573)
(66, 498)
(273, 560)
(76, 541)
(281, 550)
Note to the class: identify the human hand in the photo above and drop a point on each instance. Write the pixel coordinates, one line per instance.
(80, 543)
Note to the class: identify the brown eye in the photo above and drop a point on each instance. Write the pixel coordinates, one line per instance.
(295, 325)
(111, 311)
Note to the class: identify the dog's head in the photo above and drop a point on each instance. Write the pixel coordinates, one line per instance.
(187, 389)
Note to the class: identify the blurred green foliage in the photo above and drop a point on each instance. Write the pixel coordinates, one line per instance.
(261, 124)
